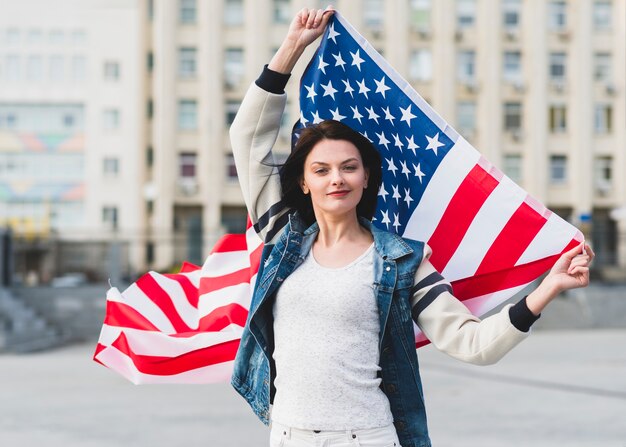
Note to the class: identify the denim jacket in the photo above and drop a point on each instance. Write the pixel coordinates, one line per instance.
(395, 263)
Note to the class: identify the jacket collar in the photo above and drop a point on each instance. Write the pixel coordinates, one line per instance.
(388, 245)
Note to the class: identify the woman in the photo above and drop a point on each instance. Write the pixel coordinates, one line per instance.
(329, 339)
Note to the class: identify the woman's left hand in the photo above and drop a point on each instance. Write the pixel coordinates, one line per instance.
(572, 269)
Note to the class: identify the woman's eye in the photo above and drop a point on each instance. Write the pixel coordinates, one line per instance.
(350, 168)
(320, 171)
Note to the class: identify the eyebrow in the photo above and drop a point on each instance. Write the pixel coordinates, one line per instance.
(349, 160)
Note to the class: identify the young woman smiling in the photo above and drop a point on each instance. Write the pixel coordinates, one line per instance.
(327, 355)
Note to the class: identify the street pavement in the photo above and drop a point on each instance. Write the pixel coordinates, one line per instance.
(558, 388)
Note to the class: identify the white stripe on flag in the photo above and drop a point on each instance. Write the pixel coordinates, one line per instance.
(239, 294)
(555, 233)
(223, 263)
(135, 298)
(503, 201)
(443, 185)
(175, 292)
(480, 305)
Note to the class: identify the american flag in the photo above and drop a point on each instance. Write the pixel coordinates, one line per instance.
(489, 237)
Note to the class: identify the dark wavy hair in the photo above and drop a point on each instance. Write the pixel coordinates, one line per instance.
(292, 171)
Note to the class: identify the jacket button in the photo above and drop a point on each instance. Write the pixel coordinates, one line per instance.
(388, 268)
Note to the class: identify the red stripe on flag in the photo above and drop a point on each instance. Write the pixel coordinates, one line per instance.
(99, 348)
(122, 315)
(219, 282)
(230, 242)
(475, 286)
(513, 240)
(191, 291)
(151, 288)
(459, 214)
(188, 267)
(167, 366)
(222, 317)
(255, 259)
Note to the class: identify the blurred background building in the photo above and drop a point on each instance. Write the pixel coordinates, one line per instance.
(114, 115)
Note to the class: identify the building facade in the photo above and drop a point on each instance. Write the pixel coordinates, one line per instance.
(69, 114)
(117, 112)
(538, 86)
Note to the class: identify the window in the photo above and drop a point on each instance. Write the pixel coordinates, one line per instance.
(150, 61)
(110, 217)
(56, 37)
(12, 67)
(8, 121)
(56, 68)
(150, 253)
(558, 118)
(513, 167)
(511, 13)
(282, 11)
(149, 108)
(373, 13)
(466, 65)
(34, 68)
(110, 166)
(231, 110)
(603, 173)
(149, 156)
(187, 62)
(150, 10)
(512, 116)
(233, 67)
(12, 36)
(111, 119)
(79, 37)
(421, 65)
(111, 71)
(69, 121)
(558, 169)
(465, 13)
(557, 15)
(466, 116)
(231, 169)
(187, 164)
(601, 15)
(420, 14)
(602, 66)
(78, 69)
(512, 70)
(187, 11)
(557, 66)
(233, 12)
(602, 118)
(187, 114)
(35, 36)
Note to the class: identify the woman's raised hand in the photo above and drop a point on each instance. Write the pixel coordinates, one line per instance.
(306, 26)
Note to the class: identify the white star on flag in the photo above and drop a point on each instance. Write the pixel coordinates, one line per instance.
(396, 141)
(357, 115)
(311, 92)
(382, 140)
(405, 170)
(322, 65)
(382, 192)
(381, 87)
(336, 115)
(372, 115)
(339, 62)
(329, 90)
(407, 197)
(390, 166)
(349, 88)
(332, 34)
(356, 59)
(407, 115)
(396, 193)
(362, 87)
(411, 144)
(433, 143)
(418, 172)
(316, 117)
(385, 220)
(388, 116)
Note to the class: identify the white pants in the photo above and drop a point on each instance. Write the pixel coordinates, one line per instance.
(282, 436)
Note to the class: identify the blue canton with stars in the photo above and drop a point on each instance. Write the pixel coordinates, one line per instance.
(343, 83)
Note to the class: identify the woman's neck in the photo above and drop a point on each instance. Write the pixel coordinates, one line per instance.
(336, 229)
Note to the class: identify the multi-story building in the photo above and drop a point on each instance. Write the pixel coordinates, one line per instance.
(69, 113)
(538, 86)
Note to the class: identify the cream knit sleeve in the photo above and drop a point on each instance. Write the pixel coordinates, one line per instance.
(452, 328)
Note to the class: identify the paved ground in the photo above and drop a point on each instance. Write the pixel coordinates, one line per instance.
(559, 388)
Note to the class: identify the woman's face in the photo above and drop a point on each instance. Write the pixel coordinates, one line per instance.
(334, 176)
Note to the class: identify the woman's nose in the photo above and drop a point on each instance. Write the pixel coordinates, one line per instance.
(337, 178)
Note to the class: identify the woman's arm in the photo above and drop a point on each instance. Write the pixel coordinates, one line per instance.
(255, 128)
(453, 329)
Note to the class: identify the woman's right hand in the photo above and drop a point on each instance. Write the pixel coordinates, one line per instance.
(306, 26)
